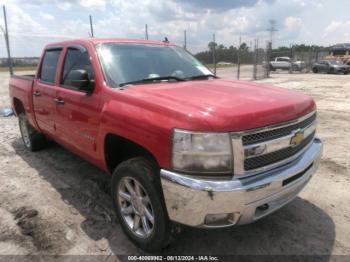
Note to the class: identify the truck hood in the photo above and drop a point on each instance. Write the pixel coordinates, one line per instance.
(222, 105)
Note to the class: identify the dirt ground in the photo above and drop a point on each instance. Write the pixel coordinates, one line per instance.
(53, 202)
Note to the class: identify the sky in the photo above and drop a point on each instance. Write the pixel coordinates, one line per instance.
(34, 23)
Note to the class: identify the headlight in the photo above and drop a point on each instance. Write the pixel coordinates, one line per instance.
(201, 152)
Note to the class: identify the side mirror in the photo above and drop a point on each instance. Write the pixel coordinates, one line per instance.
(80, 79)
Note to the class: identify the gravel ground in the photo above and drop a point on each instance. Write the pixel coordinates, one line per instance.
(53, 202)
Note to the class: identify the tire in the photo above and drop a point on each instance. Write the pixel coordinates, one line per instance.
(140, 173)
(32, 139)
(315, 70)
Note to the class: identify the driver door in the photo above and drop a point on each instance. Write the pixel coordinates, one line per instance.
(77, 111)
(323, 66)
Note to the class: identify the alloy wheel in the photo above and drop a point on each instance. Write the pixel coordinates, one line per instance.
(135, 207)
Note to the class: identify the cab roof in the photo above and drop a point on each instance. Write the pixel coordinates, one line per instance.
(94, 41)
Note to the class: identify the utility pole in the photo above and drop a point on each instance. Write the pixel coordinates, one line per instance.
(185, 39)
(214, 55)
(239, 58)
(256, 50)
(91, 27)
(146, 31)
(6, 34)
(272, 29)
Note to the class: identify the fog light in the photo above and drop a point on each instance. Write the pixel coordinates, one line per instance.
(219, 220)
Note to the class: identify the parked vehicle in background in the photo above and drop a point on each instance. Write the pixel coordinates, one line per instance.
(181, 144)
(222, 63)
(340, 52)
(330, 67)
(285, 63)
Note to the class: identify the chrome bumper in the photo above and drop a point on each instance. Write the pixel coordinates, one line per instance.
(189, 200)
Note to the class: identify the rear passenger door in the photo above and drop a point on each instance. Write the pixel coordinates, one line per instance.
(44, 91)
(78, 112)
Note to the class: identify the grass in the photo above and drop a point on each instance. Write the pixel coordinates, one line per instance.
(18, 68)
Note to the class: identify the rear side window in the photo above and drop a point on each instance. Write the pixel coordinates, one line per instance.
(49, 66)
(76, 59)
(282, 60)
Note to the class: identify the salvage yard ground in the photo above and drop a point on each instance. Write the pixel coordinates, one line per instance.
(53, 202)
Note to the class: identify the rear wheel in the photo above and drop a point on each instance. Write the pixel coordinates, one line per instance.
(315, 70)
(32, 139)
(139, 204)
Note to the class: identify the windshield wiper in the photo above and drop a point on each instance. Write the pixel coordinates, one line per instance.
(201, 77)
(150, 80)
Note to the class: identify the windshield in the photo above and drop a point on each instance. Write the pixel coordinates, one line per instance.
(124, 63)
(335, 62)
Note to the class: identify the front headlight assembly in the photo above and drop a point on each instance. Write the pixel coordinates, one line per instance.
(196, 152)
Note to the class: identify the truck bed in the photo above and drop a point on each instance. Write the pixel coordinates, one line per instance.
(21, 90)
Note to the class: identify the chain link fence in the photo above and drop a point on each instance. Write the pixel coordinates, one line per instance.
(261, 61)
(241, 62)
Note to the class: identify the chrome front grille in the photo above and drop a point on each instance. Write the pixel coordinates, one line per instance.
(276, 156)
(262, 149)
(277, 132)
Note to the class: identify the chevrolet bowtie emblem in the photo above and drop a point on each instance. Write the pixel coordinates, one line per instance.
(297, 138)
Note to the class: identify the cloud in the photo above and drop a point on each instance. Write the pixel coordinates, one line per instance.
(337, 31)
(293, 23)
(99, 4)
(47, 16)
(216, 5)
(337, 26)
(64, 6)
(298, 21)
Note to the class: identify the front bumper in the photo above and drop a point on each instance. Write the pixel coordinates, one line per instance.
(342, 70)
(189, 200)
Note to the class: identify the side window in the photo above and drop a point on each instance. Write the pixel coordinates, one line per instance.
(76, 59)
(283, 59)
(49, 66)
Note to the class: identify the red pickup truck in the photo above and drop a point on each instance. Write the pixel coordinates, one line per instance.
(182, 145)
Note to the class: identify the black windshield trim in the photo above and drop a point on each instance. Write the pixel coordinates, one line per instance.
(151, 80)
(201, 76)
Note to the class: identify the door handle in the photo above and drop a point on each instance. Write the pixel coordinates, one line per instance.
(36, 93)
(59, 101)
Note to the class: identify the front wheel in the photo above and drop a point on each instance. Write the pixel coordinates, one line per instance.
(315, 70)
(139, 204)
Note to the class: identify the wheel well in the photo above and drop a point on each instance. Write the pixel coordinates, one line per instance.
(18, 106)
(118, 149)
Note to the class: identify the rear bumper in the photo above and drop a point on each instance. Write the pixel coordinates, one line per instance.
(189, 200)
